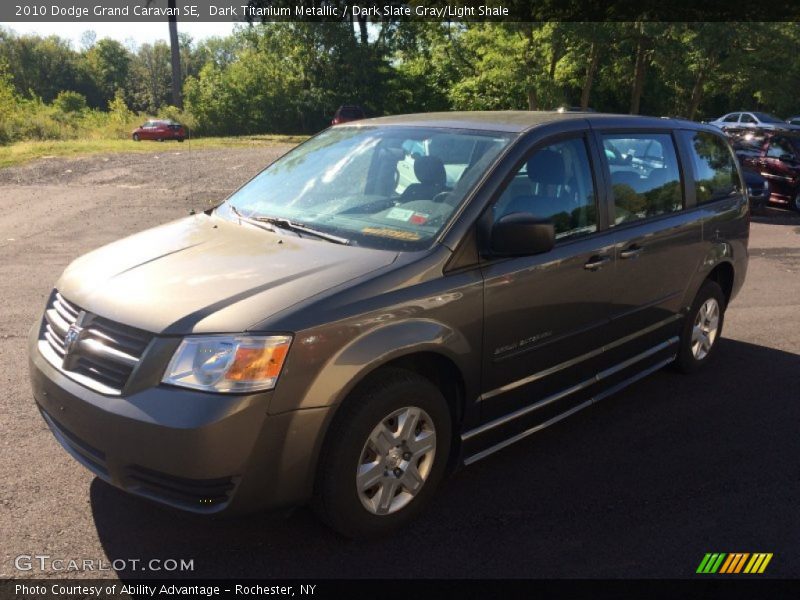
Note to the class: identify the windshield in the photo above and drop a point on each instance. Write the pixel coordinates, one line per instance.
(765, 118)
(381, 187)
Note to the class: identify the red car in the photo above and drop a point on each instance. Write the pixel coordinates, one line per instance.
(776, 157)
(159, 131)
(347, 113)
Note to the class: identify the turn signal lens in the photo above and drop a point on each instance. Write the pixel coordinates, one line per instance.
(253, 364)
(221, 363)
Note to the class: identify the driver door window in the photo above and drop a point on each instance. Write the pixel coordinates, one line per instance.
(554, 183)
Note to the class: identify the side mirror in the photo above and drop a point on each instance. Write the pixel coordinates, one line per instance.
(521, 234)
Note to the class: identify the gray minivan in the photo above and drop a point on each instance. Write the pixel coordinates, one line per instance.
(337, 334)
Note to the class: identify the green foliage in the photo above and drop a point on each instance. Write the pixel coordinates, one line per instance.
(291, 77)
(8, 104)
(68, 101)
(108, 63)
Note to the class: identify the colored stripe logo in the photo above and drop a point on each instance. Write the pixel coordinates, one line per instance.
(733, 563)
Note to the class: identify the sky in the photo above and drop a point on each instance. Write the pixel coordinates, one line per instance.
(140, 33)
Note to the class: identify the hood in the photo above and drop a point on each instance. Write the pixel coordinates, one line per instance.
(204, 274)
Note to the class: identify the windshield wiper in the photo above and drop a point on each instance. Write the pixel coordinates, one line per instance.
(298, 228)
(253, 221)
(301, 228)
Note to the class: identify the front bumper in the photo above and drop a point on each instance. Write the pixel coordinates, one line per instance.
(205, 453)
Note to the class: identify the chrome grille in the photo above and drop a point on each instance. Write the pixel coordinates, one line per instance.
(90, 349)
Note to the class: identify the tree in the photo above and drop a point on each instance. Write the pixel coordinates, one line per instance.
(88, 38)
(109, 66)
(69, 102)
(8, 103)
(175, 52)
(42, 67)
(644, 49)
(150, 74)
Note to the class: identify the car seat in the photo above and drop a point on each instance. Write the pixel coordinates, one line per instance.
(432, 177)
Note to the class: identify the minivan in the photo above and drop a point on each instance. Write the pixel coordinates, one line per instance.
(332, 336)
(776, 157)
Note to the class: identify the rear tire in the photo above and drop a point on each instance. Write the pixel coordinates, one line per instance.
(702, 328)
(180, 139)
(796, 202)
(384, 455)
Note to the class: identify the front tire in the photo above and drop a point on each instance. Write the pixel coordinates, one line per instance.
(702, 328)
(136, 137)
(796, 202)
(384, 455)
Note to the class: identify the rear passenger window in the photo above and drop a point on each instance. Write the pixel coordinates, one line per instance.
(555, 183)
(715, 171)
(645, 177)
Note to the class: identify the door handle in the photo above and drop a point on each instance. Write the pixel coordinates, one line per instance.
(596, 262)
(631, 252)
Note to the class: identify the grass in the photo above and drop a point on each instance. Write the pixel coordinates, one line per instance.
(22, 152)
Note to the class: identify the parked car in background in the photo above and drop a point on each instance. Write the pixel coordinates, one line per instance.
(563, 109)
(159, 130)
(794, 123)
(776, 157)
(748, 120)
(333, 336)
(347, 113)
(757, 190)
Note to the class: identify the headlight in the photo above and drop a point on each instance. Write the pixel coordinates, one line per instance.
(224, 363)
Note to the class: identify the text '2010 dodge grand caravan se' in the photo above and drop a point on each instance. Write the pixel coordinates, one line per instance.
(392, 298)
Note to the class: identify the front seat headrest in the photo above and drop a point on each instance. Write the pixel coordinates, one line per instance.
(430, 170)
(547, 167)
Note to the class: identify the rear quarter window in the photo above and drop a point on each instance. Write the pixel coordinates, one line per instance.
(715, 172)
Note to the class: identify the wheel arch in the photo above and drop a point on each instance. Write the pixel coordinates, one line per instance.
(718, 265)
(723, 274)
(427, 348)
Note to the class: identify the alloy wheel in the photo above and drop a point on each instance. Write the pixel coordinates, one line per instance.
(706, 327)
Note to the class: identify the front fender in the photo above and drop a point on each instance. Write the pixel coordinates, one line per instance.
(379, 346)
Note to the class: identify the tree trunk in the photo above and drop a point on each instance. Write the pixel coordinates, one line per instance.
(176, 58)
(554, 58)
(362, 24)
(638, 74)
(697, 94)
(532, 103)
(591, 71)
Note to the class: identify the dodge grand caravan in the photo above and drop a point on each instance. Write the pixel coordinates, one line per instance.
(337, 335)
